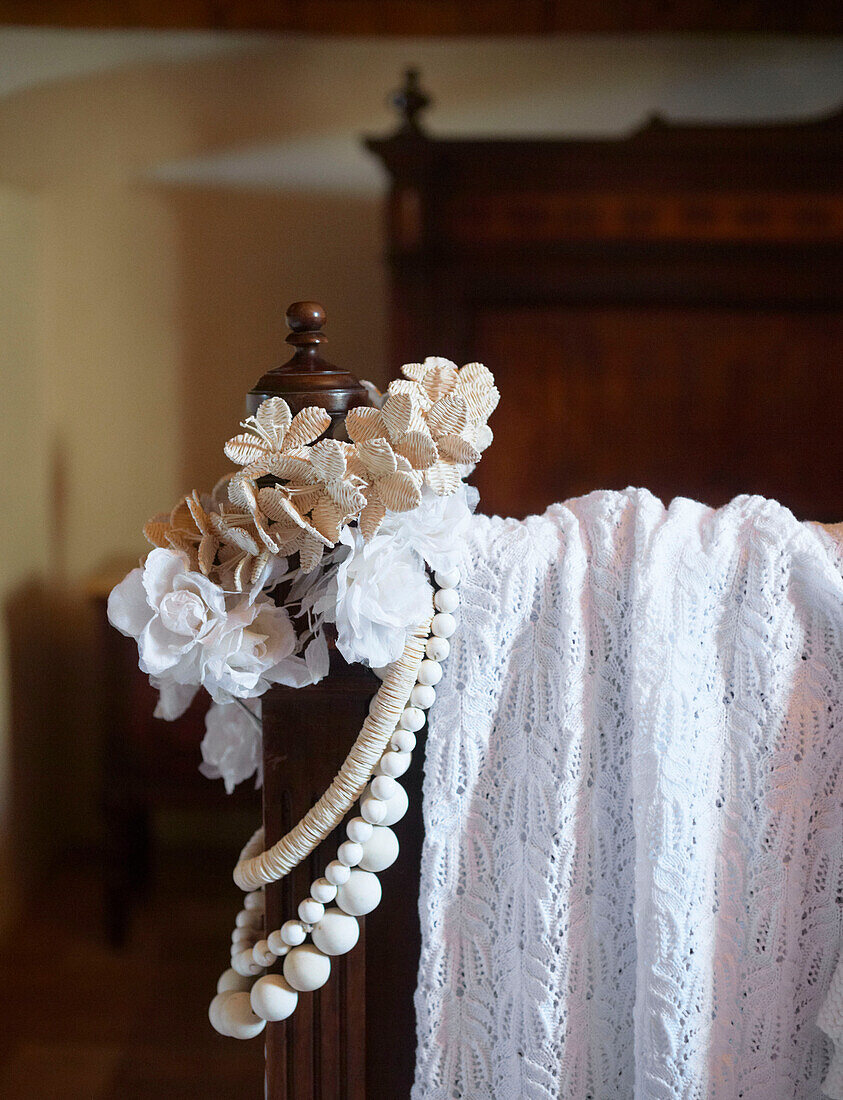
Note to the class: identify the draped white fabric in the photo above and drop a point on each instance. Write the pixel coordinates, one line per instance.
(633, 866)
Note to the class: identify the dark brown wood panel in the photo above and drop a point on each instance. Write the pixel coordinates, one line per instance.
(435, 17)
(658, 397)
(662, 310)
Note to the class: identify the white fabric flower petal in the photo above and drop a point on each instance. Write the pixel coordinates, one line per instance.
(231, 747)
(382, 593)
(173, 698)
(128, 609)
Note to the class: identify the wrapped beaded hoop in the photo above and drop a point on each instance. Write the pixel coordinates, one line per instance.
(247, 996)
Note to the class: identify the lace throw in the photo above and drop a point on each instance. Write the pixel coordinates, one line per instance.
(632, 878)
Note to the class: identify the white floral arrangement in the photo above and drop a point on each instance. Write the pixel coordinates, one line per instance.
(366, 519)
(235, 596)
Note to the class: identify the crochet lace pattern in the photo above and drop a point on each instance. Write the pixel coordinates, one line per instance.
(632, 879)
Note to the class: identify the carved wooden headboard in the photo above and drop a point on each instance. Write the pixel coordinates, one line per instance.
(666, 307)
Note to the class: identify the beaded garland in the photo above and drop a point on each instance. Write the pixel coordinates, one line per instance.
(217, 605)
(247, 996)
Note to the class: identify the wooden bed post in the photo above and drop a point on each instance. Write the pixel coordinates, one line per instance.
(355, 1037)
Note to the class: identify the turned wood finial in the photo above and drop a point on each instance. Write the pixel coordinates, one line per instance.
(410, 100)
(307, 378)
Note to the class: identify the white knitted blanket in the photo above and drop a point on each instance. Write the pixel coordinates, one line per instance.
(632, 880)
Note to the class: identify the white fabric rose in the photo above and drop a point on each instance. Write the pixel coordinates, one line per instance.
(437, 527)
(189, 633)
(231, 747)
(382, 593)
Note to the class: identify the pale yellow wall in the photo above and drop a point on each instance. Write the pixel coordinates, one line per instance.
(162, 198)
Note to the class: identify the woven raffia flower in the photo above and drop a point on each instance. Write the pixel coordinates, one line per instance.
(221, 544)
(401, 421)
(273, 441)
(391, 483)
(460, 401)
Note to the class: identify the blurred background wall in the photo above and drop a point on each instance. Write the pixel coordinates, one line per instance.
(163, 196)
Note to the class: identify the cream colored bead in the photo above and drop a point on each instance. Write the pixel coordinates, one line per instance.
(273, 998)
(244, 935)
(403, 741)
(443, 625)
(323, 890)
(232, 982)
(446, 600)
(430, 673)
(249, 918)
(381, 672)
(215, 1010)
(336, 933)
(383, 787)
(412, 719)
(359, 830)
(262, 955)
(360, 895)
(276, 944)
(245, 964)
(394, 763)
(396, 807)
(337, 873)
(372, 809)
(292, 933)
(237, 1018)
(423, 695)
(373, 703)
(349, 853)
(437, 649)
(254, 900)
(380, 851)
(310, 910)
(307, 968)
(447, 578)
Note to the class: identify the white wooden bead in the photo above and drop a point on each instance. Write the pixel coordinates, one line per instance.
(396, 807)
(443, 625)
(236, 1016)
(437, 649)
(360, 895)
(446, 600)
(245, 964)
(430, 673)
(447, 578)
(412, 719)
(262, 955)
(372, 809)
(349, 853)
(244, 935)
(292, 933)
(249, 918)
(323, 890)
(403, 741)
(423, 695)
(232, 982)
(273, 998)
(337, 873)
(358, 830)
(336, 933)
(373, 703)
(380, 851)
(383, 787)
(394, 763)
(215, 1010)
(310, 910)
(276, 944)
(254, 900)
(307, 968)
